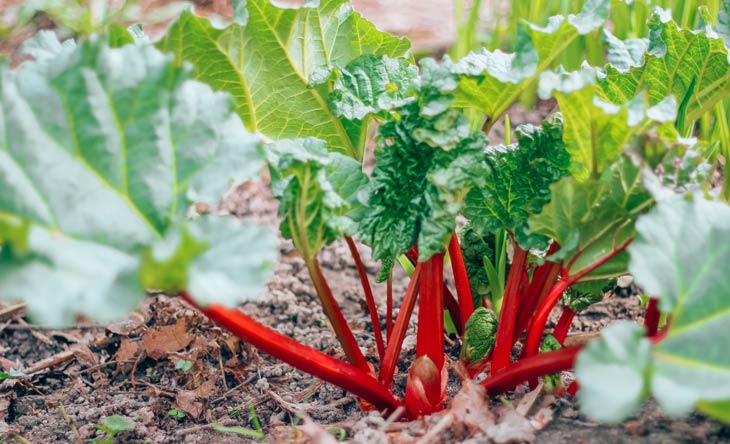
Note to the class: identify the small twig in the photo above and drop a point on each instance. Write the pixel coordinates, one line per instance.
(21, 439)
(9, 312)
(225, 395)
(580, 339)
(440, 426)
(57, 359)
(70, 423)
(223, 370)
(134, 370)
(36, 327)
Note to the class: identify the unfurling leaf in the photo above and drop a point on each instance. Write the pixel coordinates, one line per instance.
(480, 332)
(371, 84)
(318, 191)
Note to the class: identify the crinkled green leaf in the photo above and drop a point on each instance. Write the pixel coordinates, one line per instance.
(552, 381)
(118, 35)
(519, 184)
(492, 81)
(596, 132)
(370, 84)
(480, 333)
(103, 149)
(317, 191)
(267, 64)
(425, 165)
(45, 45)
(686, 64)
(594, 217)
(580, 296)
(614, 372)
(474, 248)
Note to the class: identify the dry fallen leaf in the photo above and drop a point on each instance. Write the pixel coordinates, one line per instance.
(471, 409)
(128, 326)
(162, 341)
(128, 350)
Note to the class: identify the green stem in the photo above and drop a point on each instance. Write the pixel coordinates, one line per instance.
(332, 310)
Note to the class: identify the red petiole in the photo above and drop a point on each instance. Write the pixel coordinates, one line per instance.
(302, 357)
(461, 279)
(372, 308)
(503, 344)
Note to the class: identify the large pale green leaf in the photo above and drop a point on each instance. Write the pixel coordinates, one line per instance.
(680, 255)
(591, 219)
(613, 372)
(690, 65)
(520, 181)
(596, 131)
(103, 149)
(267, 65)
(492, 81)
(317, 190)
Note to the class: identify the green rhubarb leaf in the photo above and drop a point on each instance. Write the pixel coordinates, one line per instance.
(519, 183)
(614, 372)
(580, 296)
(492, 81)
(267, 65)
(371, 84)
(591, 219)
(103, 150)
(596, 132)
(318, 190)
(680, 255)
(425, 165)
(480, 333)
(691, 65)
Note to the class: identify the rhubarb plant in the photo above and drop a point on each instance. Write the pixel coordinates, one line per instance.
(107, 144)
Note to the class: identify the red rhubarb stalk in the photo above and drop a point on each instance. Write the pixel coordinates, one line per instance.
(372, 308)
(651, 319)
(449, 300)
(531, 368)
(563, 326)
(430, 341)
(300, 356)
(461, 279)
(534, 334)
(339, 324)
(395, 340)
(503, 344)
(542, 280)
